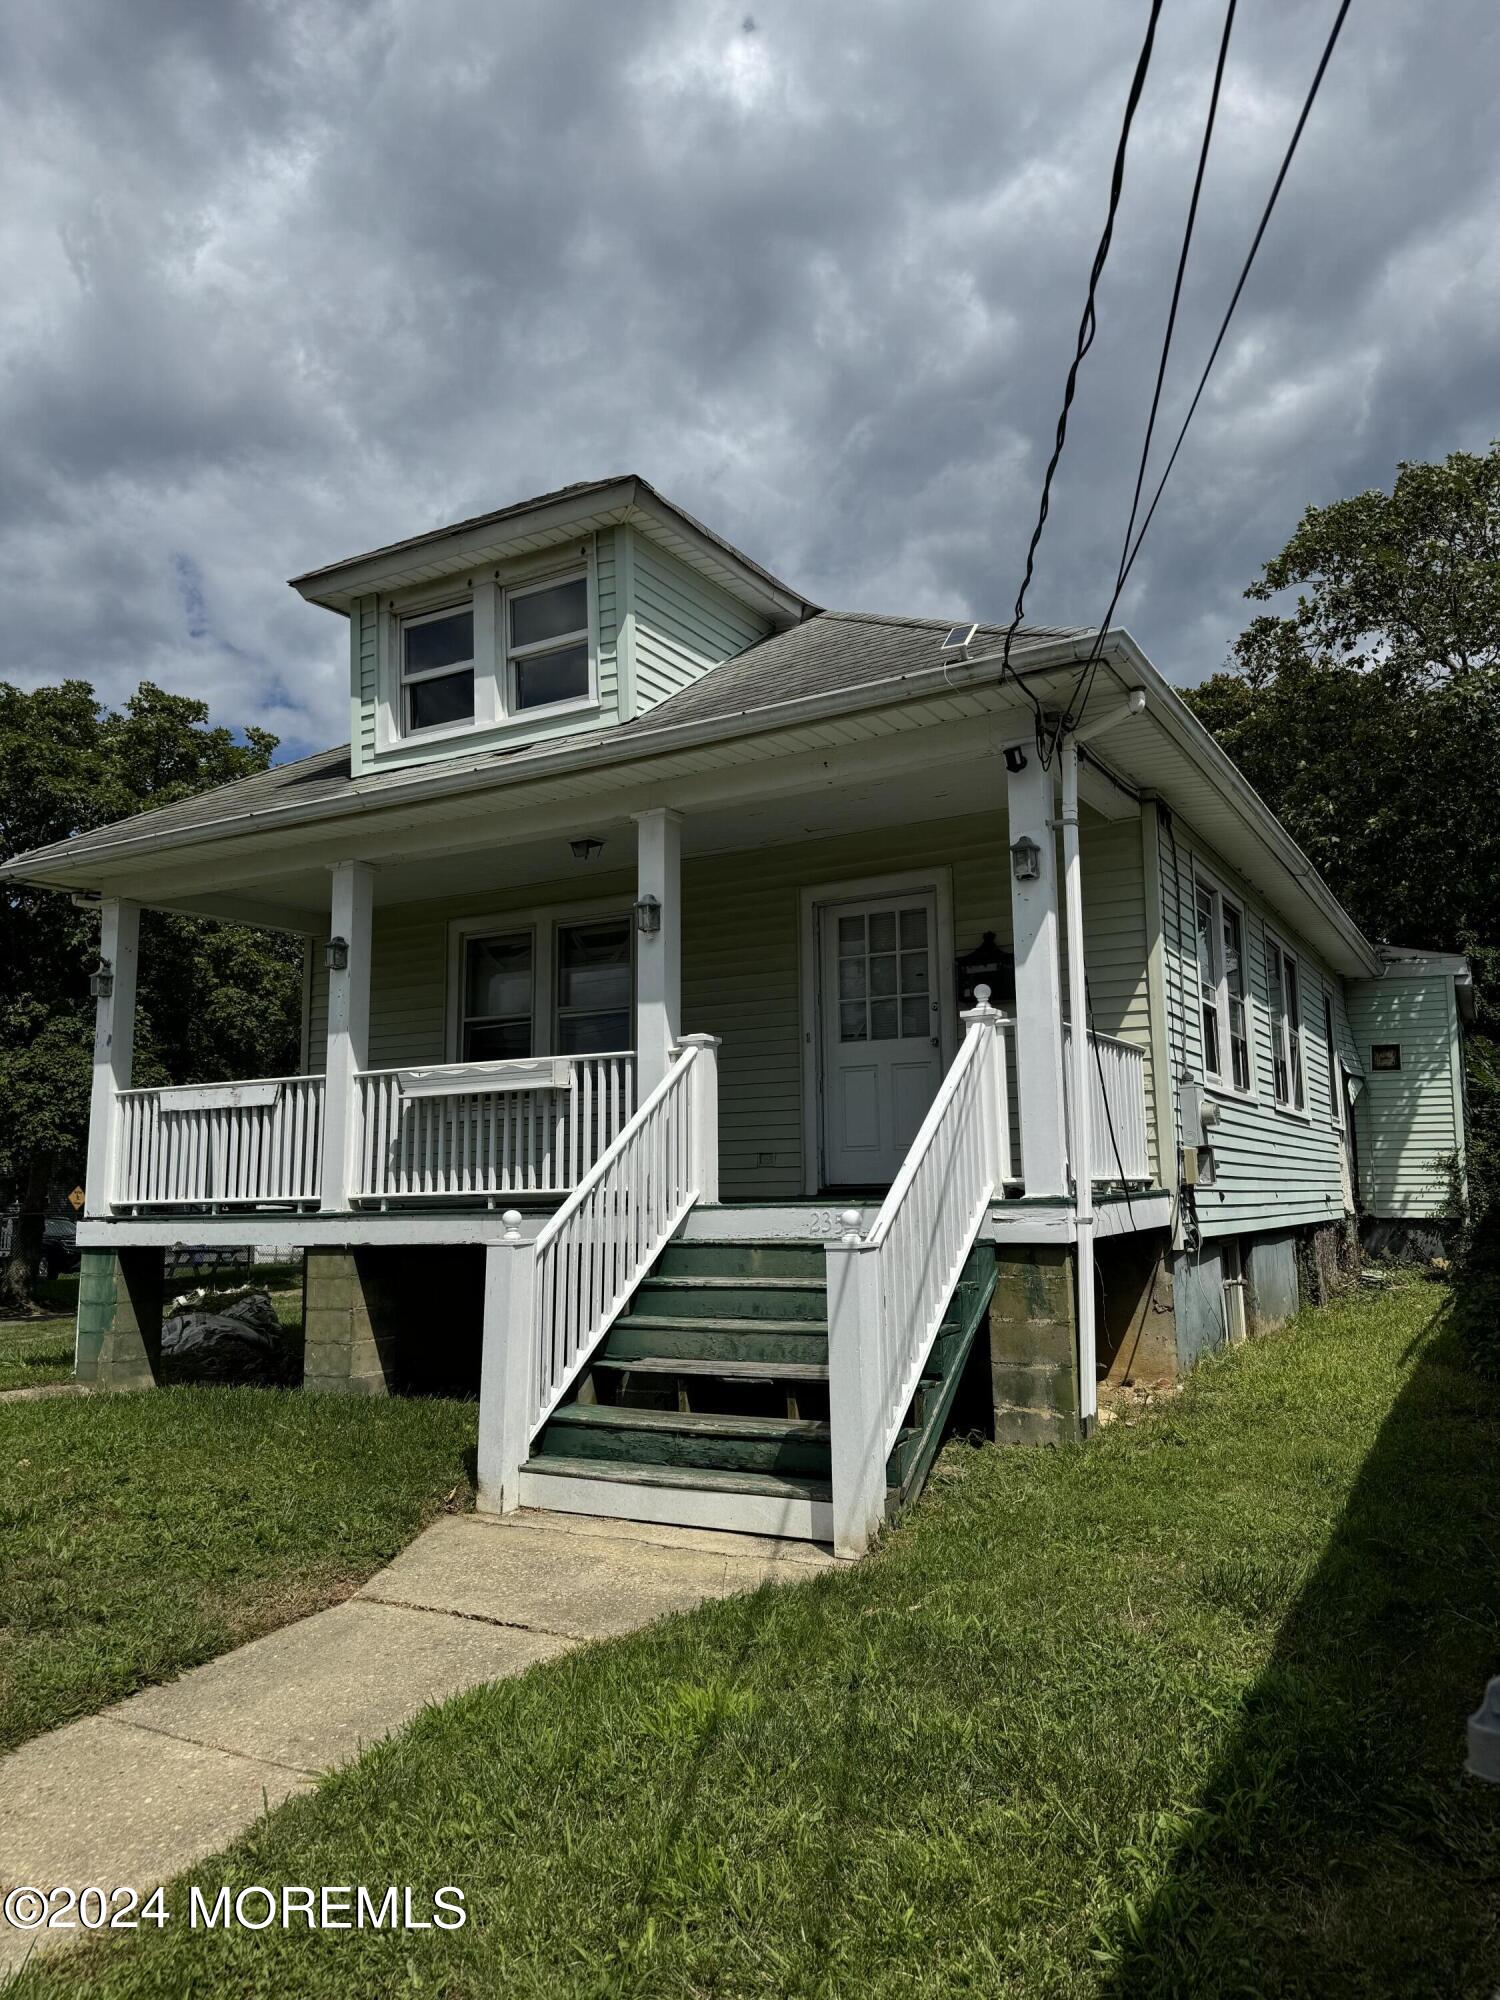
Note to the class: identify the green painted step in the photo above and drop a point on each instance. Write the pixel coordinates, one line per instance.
(725, 1371)
(733, 1298)
(742, 1260)
(668, 1437)
(716, 1339)
(700, 1479)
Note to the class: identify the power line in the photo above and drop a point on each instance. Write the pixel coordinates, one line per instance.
(1085, 681)
(1087, 328)
(1312, 93)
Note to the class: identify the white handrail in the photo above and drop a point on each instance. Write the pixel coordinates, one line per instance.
(889, 1291)
(563, 1292)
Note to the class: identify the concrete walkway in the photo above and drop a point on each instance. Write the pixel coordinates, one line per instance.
(151, 1786)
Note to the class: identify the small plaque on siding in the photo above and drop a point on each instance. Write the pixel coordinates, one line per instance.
(1385, 1055)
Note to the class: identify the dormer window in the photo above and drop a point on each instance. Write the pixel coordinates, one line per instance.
(437, 668)
(547, 650)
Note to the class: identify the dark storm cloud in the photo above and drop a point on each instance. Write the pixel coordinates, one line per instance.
(284, 281)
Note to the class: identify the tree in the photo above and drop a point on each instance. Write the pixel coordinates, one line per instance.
(1368, 717)
(214, 999)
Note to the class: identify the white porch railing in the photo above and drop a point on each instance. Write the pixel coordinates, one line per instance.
(1117, 1106)
(888, 1292)
(488, 1129)
(561, 1294)
(220, 1145)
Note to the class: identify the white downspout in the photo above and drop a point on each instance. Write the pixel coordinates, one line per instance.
(1080, 1139)
(1080, 1151)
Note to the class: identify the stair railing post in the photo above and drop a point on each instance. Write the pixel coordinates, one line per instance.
(856, 1434)
(508, 1367)
(983, 1019)
(703, 1088)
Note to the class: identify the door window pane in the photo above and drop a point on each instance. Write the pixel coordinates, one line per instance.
(883, 972)
(883, 1021)
(913, 1019)
(852, 1021)
(913, 929)
(913, 972)
(883, 930)
(851, 979)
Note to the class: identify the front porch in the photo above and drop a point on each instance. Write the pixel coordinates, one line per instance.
(748, 1040)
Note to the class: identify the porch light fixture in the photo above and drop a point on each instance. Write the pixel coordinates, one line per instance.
(102, 980)
(336, 954)
(648, 916)
(587, 847)
(1015, 758)
(1025, 859)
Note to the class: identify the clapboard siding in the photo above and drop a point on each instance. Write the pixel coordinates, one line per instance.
(1275, 1168)
(683, 625)
(742, 962)
(1408, 1122)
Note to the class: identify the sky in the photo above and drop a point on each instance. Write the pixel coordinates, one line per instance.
(287, 279)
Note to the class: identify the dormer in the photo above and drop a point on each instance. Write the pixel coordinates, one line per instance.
(566, 614)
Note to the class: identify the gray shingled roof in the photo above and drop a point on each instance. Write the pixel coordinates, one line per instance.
(828, 653)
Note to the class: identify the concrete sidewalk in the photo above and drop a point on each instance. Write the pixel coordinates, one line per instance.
(149, 1787)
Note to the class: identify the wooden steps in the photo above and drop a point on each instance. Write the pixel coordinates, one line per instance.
(707, 1401)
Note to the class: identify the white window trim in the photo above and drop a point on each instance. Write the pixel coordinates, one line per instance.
(543, 922)
(410, 732)
(492, 708)
(1223, 1084)
(1302, 1113)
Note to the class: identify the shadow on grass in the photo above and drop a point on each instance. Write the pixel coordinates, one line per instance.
(1337, 1849)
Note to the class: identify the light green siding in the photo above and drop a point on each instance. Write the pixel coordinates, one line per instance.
(364, 627)
(682, 625)
(742, 962)
(1408, 1122)
(1276, 1168)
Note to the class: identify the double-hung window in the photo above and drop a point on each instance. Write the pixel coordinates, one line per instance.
(1222, 988)
(437, 668)
(1208, 979)
(498, 997)
(547, 644)
(594, 987)
(1284, 989)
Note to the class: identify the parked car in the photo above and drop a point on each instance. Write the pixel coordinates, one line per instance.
(59, 1243)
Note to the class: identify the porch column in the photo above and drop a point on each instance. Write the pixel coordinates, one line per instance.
(658, 959)
(114, 1045)
(348, 1024)
(1033, 905)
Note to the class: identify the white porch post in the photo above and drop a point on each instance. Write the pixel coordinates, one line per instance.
(857, 1471)
(705, 1114)
(114, 1046)
(348, 1025)
(507, 1378)
(658, 959)
(1039, 1055)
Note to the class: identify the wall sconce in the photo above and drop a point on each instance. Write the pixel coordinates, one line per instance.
(1025, 859)
(587, 847)
(648, 916)
(336, 954)
(102, 980)
(1015, 758)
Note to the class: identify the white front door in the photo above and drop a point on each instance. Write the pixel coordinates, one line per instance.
(880, 1032)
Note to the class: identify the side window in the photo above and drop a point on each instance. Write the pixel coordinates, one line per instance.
(1208, 980)
(547, 645)
(1284, 987)
(1234, 992)
(1335, 1092)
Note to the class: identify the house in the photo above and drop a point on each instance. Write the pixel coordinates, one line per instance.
(724, 1015)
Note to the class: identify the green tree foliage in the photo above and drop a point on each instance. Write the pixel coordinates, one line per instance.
(1368, 717)
(214, 1000)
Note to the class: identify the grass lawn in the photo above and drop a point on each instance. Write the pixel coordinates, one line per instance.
(145, 1533)
(35, 1352)
(1180, 1714)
